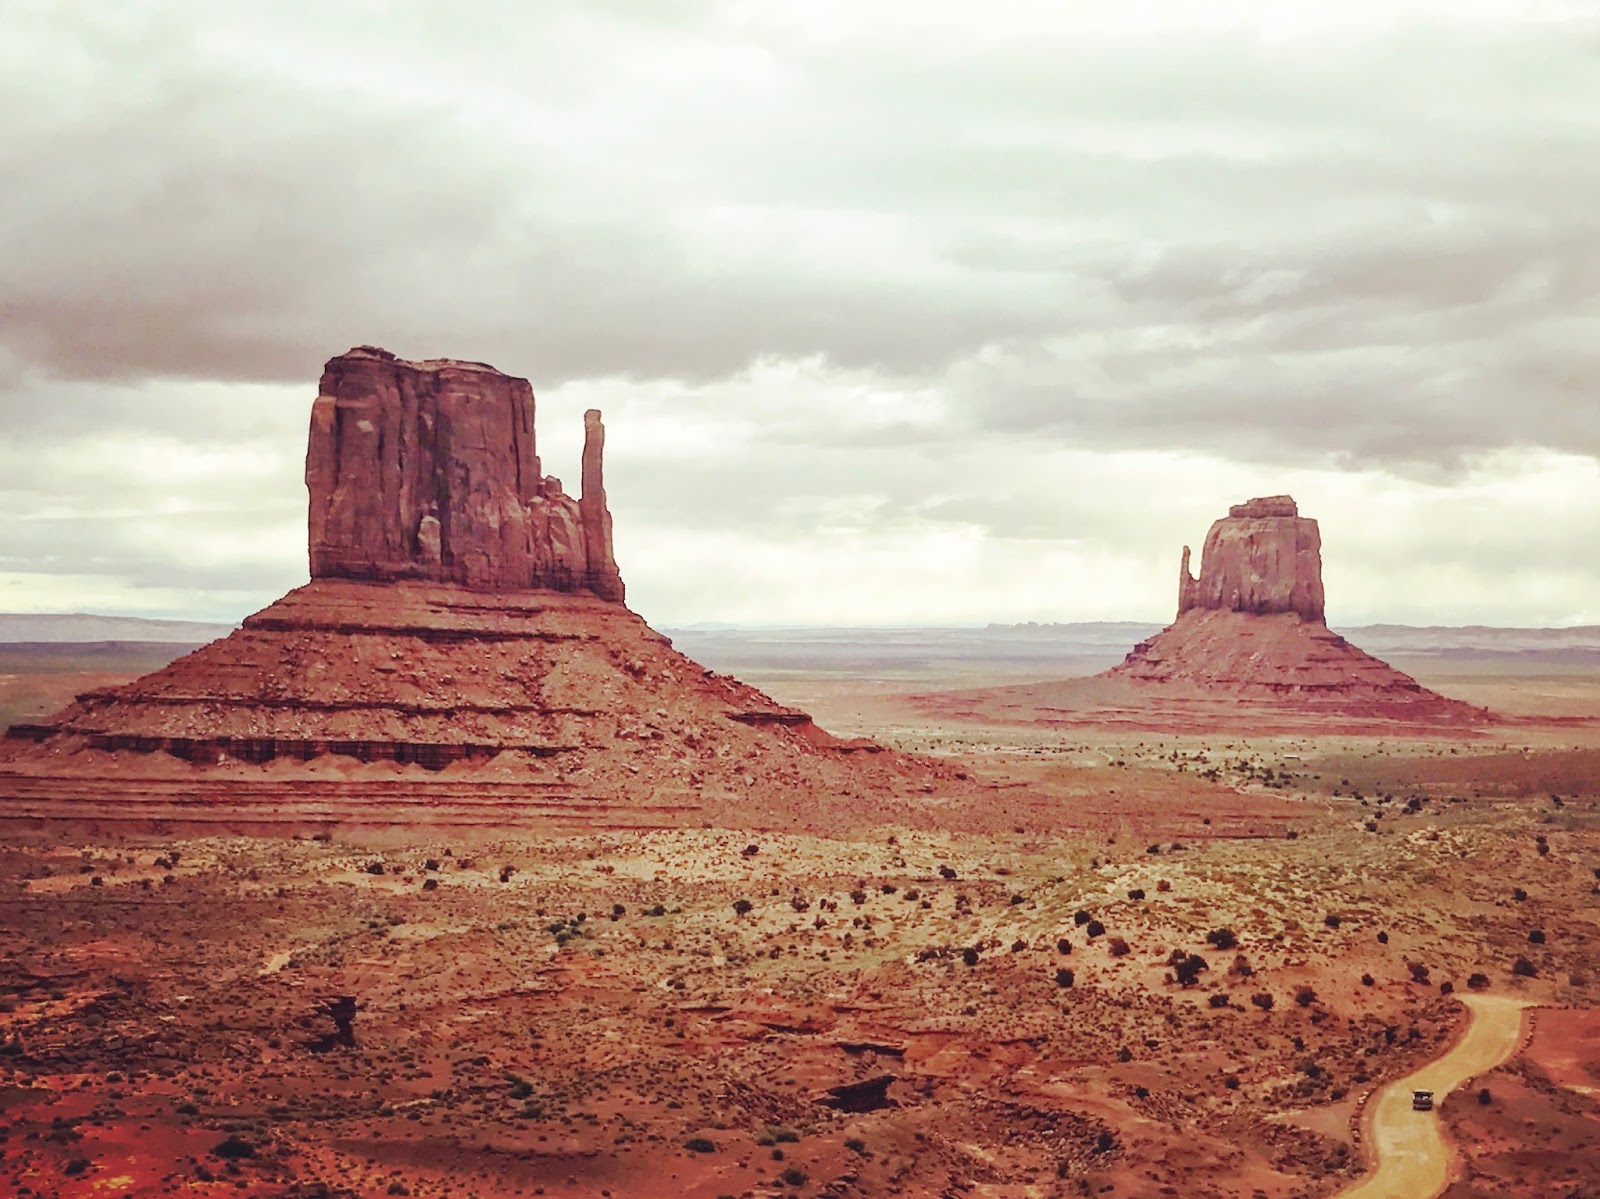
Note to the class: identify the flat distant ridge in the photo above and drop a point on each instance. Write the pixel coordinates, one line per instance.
(75, 627)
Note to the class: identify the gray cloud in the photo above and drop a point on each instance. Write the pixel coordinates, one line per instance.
(1372, 248)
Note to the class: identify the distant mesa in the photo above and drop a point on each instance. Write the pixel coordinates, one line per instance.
(461, 656)
(1252, 626)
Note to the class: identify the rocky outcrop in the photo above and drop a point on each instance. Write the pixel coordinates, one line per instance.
(1251, 627)
(430, 470)
(1263, 557)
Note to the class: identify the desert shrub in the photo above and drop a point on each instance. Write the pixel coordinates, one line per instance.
(1241, 966)
(1105, 1142)
(1124, 1055)
(1081, 917)
(1187, 971)
(1065, 977)
(76, 1166)
(858, 897)
(1305, 995)
(1383, 938)
(1018, 946)
(1231, 1082)
(1136, 893)
(700, 1145)
(1419, 972)
(1263, 1000)
(1523, 968)
(374, 867)
(1484, 1097)
(969, 955)
(1222, 938)
(1118, 947)
(855, 1145)
(1063, 945)
(1331, 920)
(799, 903)
(1162, 885)
(430, 884)
(742, 907)
(1218, 1000)
(945, 872)
(431, 864)
(1518, 894)
(1367, 980)
(233, 1147)
(1094, 929)
(794, 1176)
(750, 851)
(1477, 980)
(1447, 987)
(1536, 936)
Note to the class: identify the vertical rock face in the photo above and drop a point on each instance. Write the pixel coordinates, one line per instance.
(430, 470)
(1263, 557)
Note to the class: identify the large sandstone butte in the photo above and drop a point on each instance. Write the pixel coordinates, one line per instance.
(1252, 626)
(430, 470)
(460, 656)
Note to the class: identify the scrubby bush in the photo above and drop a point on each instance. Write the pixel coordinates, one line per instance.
(1222, 938)
(1065, 977)
(1094, 929)
(742, 907)
(1305, 995)
(700, 1145)
(1523, 968)
(1118, 947)
(1263, 1000)
(1187, 970)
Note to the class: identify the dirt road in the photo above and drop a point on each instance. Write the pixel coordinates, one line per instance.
(1413, 1156)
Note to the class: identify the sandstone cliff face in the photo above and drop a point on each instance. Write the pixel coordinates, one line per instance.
(1262, 558)
(430, 470)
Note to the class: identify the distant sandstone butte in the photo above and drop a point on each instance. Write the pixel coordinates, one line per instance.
(430, 470)
(1262, 557)
(461, 656)
(1252, 627)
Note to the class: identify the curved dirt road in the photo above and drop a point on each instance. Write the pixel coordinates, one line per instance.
(1413, 1156)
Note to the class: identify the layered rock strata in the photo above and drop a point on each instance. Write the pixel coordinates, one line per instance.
(1251, 626)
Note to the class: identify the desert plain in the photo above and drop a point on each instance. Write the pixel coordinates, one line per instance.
(1110, 950)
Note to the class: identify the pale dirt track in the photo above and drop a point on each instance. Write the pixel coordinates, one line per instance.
(1414, 1159)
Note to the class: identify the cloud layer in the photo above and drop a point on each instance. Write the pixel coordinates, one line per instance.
(973, 316)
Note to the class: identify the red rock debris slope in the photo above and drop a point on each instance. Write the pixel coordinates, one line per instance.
(1252, 627)
(461, 656)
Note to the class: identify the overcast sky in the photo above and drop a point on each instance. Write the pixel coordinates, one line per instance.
(898, 312)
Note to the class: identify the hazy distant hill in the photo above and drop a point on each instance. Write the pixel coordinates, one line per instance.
(1057, 650)
(75, 627)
